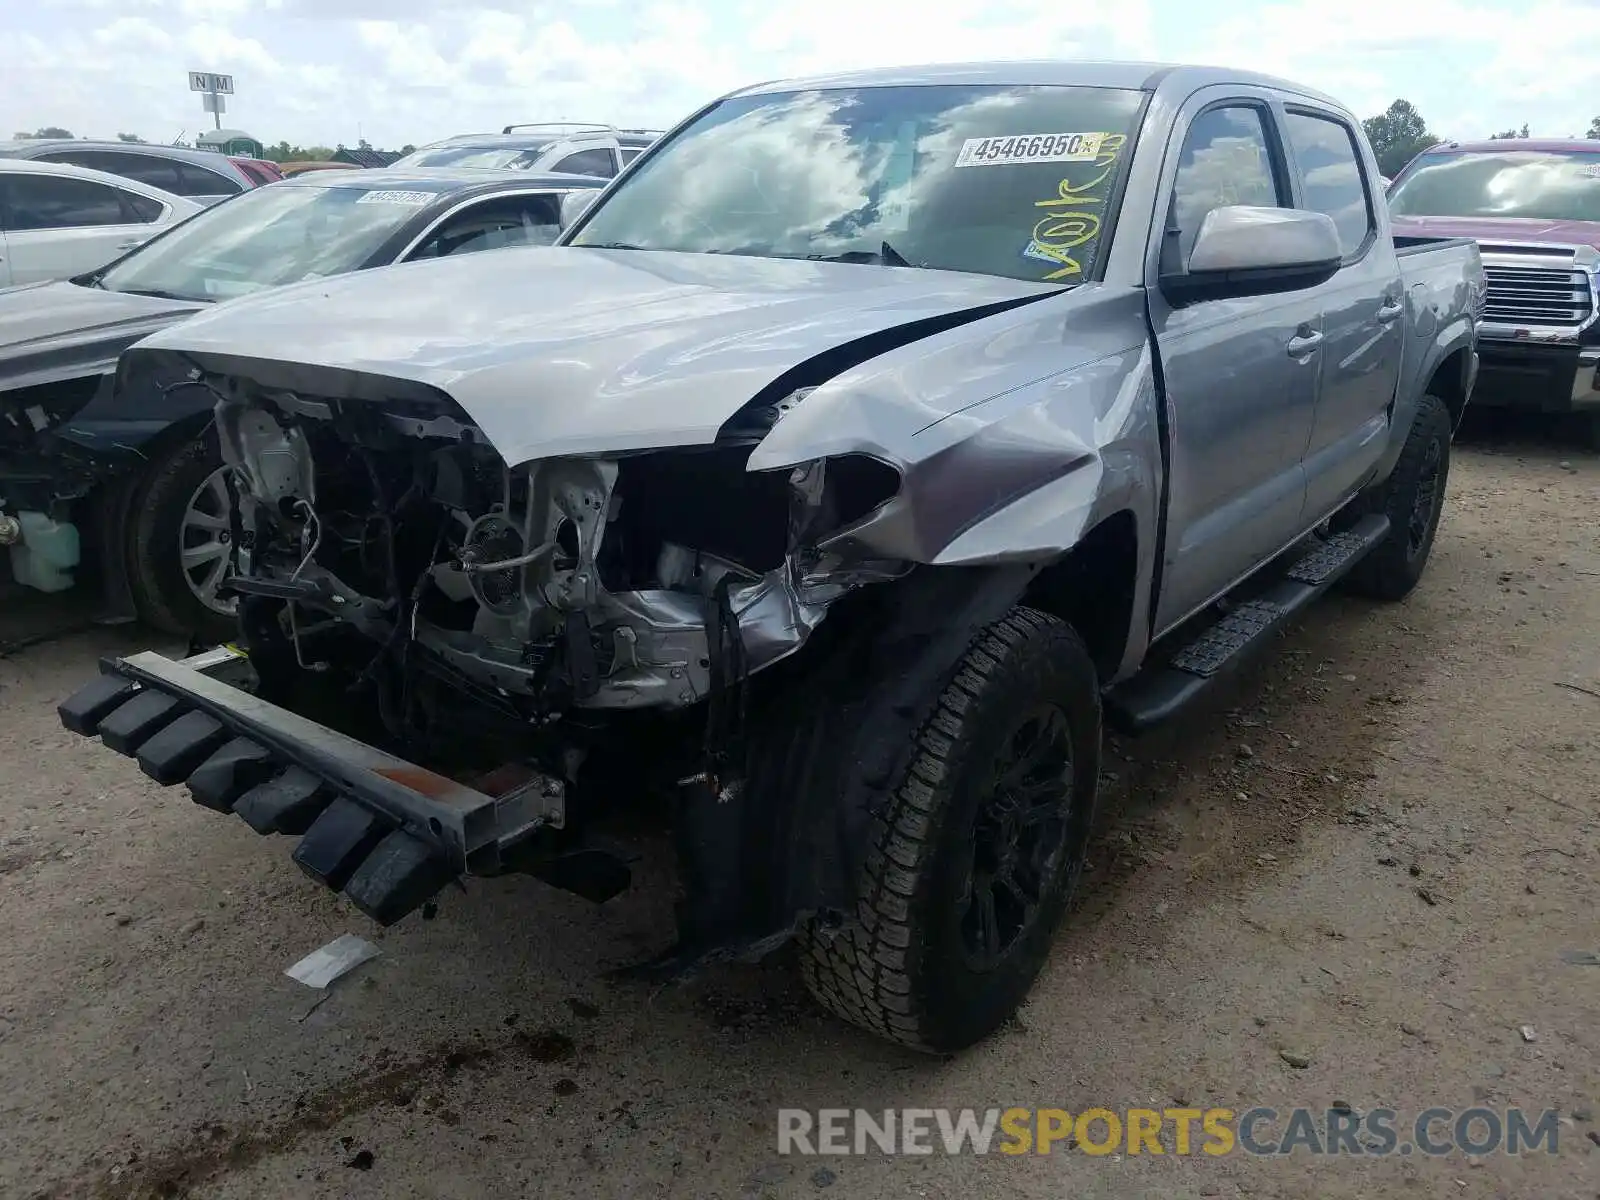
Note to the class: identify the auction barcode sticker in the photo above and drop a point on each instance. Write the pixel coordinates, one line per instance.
(413, 199)
(1030, 148)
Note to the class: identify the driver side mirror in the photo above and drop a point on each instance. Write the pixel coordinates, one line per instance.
(1246, 251)
(575, 204)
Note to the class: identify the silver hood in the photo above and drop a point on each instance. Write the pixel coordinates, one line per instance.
(61, 330)
(578, 351)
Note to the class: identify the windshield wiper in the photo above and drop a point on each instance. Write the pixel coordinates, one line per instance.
(894, 258)
(887, 255)
(156, 293)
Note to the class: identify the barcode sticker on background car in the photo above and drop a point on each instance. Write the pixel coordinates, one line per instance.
(1030, 148)
(413, 199)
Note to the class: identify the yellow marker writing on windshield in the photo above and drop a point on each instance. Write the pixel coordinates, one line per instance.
(1067, 227)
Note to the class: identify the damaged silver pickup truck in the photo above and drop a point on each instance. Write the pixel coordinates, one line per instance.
(856, 455)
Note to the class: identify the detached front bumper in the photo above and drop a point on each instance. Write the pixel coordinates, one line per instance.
(387, 833)
(1538, 378)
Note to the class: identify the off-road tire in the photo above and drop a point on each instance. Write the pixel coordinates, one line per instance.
(900, 970)
(1590, 431)
(160, 592)
(1393, 567)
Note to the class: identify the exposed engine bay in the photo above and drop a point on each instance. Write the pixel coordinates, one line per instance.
(398, 545)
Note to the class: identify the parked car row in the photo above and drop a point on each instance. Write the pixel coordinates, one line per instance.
(58, 220)
(848, 461)
(204, 176)
(71, 210)
(68, 206)
(138, 469)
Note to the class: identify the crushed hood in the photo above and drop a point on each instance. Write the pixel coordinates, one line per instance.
(55, 331)
(1515, 230)
(569, 350)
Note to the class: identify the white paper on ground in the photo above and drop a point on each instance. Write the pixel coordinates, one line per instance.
(321, 967)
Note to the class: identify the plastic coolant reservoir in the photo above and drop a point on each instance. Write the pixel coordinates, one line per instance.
(45, 555)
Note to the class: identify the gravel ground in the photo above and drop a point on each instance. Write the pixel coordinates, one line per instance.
(1367, 856)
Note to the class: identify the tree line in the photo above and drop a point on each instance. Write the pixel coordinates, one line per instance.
(1399, 134)
(283, 152)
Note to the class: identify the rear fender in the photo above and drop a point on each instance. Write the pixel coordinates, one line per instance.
(1430, 348)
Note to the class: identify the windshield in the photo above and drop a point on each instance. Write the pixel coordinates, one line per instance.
(267, 237)
(487, 158)
(1011, 181)
(1541, 184)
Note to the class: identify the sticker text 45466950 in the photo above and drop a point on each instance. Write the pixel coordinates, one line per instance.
(1029, 148)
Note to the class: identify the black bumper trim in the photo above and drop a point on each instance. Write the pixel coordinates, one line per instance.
(284, 773)
(220, 781)
(83, 711)
(171, 755)
(1532, 377)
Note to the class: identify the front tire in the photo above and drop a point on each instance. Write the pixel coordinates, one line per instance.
(1591, 431)
(177, 542)
(980, 846)
(1413, 499)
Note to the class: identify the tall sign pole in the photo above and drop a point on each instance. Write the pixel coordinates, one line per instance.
(213, 88)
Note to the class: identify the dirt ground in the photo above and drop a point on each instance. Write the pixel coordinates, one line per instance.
(1370, 855)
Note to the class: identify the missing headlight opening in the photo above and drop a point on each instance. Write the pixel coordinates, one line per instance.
(561, 583)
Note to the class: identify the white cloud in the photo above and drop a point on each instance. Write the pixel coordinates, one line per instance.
(832, 35)
(408, 52)
(208, 42)
(1470, 66)
(132, 35)
(324, 71)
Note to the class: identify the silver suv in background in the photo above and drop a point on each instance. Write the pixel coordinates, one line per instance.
(203, 176)
(635, 142)
(595, 150)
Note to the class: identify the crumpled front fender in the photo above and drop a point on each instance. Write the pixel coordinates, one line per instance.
(1004, 454)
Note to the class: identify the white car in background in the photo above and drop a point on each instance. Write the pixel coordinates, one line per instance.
(57, 221)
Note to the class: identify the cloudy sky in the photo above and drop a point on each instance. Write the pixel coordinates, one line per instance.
(396, 71)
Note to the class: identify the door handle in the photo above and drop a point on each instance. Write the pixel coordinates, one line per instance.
(1303, 344)
(1390, 310)
(130, 245)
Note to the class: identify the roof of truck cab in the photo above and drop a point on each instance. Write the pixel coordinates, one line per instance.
(1138, 76)
(1535, 145)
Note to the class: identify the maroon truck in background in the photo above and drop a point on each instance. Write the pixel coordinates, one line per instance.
(1533, 206)
(261, 171)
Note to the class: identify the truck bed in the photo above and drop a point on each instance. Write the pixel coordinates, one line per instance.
(1437, 291)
